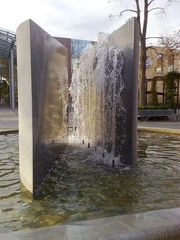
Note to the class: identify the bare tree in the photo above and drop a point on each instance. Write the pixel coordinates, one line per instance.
(171, 41)
(171, 44)
(142, 12)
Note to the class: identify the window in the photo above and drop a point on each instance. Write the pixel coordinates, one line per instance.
(158, 70)
(159, 55)
(170, 68)
(159, 58)
(149, 62)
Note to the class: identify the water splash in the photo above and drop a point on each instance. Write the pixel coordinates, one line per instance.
(96, 90)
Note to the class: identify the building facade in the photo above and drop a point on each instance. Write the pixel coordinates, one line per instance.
(159, 62)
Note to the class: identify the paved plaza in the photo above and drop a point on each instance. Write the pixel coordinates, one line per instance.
(160, 126)
(9, 123)
(8, 120)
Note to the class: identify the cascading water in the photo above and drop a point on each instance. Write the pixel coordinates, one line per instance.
(84, 98)
(101, 59)
(97, 85)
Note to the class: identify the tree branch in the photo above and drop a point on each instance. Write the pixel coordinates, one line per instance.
(153, 37)
(127, 10)
(173, 1)
(150, 47)
(156, 8)
(120, 14)
(150, 2)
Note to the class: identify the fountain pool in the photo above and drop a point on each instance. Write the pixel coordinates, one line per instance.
(79, 188)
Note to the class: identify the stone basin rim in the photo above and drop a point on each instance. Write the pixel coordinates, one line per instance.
(159, 130)
(159, 224)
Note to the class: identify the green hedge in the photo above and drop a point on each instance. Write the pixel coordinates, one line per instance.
(170, 87)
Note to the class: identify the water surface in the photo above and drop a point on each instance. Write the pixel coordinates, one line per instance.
(80, 188)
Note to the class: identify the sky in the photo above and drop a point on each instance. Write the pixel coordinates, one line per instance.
(84, 19)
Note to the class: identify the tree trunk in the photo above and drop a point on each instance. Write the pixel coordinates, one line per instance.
(143, 57)
(142, 95)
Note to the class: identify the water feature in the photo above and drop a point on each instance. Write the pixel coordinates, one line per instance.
(103, 116)
(79, 187)
(104, 92)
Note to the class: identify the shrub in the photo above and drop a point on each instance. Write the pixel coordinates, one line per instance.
(170, 87)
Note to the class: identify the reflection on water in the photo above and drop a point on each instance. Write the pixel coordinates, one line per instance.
(78, 187)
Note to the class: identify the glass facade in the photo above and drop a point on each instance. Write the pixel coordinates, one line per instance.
(77, 47)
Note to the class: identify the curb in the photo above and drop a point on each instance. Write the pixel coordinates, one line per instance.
(159, 130)
(4, 132)
(152, 225)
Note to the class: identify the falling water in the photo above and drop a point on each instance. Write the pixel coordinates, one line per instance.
(96, 90)
(83, 94)
(101, 57)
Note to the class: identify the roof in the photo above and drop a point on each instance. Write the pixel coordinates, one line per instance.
(7, 41)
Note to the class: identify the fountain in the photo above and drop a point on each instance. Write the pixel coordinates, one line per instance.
(104, 95)
(104, 92)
